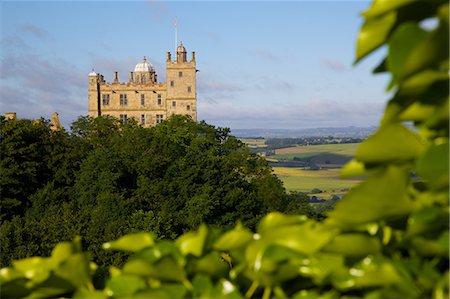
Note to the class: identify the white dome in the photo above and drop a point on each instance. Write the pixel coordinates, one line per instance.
(92, 74)
(143, 66)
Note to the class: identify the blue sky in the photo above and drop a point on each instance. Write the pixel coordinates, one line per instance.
(262, 64)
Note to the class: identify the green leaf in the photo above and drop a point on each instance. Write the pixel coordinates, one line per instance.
(76, 270)
(131, 242)
(168, 290)
(418, 83)
(403, 41)
(373, 34)
(391, 143)
(233, 239)
(353, 168)
(193, 242)
(166, 269)
(124, 285)
(91, 294)
(212, 264)
(433, 166)
(370, 272)
(354, 245)
(277, 219)
(380, 196)
(380, 7)
(417, 112)
(319, 267)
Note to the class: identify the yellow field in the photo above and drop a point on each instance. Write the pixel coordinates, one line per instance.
(345, 149)
(296, 179)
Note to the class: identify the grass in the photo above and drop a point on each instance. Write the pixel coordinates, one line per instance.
(345, 149)
(296, 179)
(254, 142)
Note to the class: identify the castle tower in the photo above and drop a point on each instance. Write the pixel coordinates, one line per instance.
(181, 84)
(94, 107)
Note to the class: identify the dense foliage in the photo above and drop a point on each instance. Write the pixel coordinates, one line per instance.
(388, 238)
(106, 179)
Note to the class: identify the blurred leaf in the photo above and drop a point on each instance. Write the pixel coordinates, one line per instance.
(373, 34)
(391, 143)
(416, 84)
(124, 285)
(380, 196)
(353, 168)
(235, 238)
(356, 245)
(91, 294)
(433, 166)
(276, 219)
(417, 112)
(429, 218)
(370, 272)
(211, 264)
(193, 242)
(131, 242)
(379, 7)
(168, 290)
(406, 38)
(321, 266)
(75, 269)
(166, 269)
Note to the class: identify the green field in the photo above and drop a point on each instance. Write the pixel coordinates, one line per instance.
(296, 179)
(327, 180)
(346, 149)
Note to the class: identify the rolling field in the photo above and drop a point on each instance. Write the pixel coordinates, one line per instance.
(346, 149)
(296, 179)
(327, 155)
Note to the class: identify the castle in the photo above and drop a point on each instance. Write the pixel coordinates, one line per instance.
(142, 97)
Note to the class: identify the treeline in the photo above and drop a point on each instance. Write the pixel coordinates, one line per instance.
(276, 143)
(104, 179)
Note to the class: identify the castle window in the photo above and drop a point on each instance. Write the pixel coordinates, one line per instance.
(180, 74)
(159, 118)
(171, 83)
(144, 79)
(142, 99)
(123, 118)
(189, 89)
(188, 107)
(105, 99)
(174, 104)
(142, 119)
(159, 99)
(123, 100)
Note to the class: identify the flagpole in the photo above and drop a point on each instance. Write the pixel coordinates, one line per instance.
(176, 34)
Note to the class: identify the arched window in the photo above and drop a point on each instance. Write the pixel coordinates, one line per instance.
(143, 79)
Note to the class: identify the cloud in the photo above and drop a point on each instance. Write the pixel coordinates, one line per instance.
(33, 86)
(333, 64)
(269, 84)
(311, 113)
(38, 32)
(265, 54)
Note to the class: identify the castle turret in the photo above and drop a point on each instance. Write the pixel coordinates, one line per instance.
(94, 94)
(181, 84)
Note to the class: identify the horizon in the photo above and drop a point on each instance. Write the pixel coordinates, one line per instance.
(271, 67)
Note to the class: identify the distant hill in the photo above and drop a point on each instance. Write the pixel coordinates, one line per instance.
(356, 132)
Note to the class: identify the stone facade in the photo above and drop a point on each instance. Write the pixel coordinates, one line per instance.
(142, 97)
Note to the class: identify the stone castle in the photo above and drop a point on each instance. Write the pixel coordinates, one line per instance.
(142, 97)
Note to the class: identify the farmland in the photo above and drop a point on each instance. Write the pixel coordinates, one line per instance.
(304, 168)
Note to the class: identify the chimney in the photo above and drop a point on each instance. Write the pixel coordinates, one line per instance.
(131, 77)
(168, 57)
(193, 56)
(116, 77)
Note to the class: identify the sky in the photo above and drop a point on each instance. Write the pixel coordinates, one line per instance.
(263, 64)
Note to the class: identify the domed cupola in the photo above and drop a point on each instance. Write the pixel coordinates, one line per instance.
(143, 66)
(144, 72)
